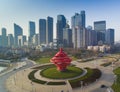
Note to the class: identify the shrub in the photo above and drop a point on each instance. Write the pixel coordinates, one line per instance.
(33, 79)
(56, 83)
(91, 76)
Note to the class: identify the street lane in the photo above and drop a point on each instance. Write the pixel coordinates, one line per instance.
(5, 76)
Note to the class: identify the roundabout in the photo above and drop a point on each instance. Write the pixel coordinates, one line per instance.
(30, 80)
(70, 72)
(40, 78)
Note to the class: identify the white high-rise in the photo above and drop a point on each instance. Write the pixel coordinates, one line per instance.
(78, 26)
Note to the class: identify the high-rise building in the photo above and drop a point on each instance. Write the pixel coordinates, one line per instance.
(83, 19)
(61, 23)
(110, 36)
(100, 28)
(10, 40)
(4, 38)
(94, 38)
(35, 40)
(0, 40)
(67, 36)
(49, 30)
(42, 31)
(31, 31)
(86, 39)
(17, 31)
(78, 26)
(91, 36)
(21, 40)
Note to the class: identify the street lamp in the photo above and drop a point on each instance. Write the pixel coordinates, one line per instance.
(112, 66)
(32, 85)
(33, 88)
(115, 78)
(14, 79)
(95, 63)
(81, 83)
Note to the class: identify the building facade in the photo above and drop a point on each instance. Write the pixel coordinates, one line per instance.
(10, 40)
(4, 38)
(0, 40)
(49, 30)
(17, 32)
(78, 27)
(61, 23)
(67, 36)
(31, 32)
(35, 40)
(21, 40)
(110, 36)
(42, 31)
(100, 28)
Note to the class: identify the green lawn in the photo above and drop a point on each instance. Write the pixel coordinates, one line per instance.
(89, 73)
(116, 85)
(43, 60)
(73, 58)
(33, 79)
(53, 73)
(91, 76)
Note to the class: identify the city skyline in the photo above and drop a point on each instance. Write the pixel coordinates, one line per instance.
(23, 11)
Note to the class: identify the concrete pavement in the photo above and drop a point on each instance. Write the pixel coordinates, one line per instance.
(107, 77)
(21, 83)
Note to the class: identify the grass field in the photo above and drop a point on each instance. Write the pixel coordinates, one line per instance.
(53, 73)
(116, 85)
(43, 60)
(91, 76)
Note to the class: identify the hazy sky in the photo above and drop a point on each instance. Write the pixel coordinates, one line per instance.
(23, 11)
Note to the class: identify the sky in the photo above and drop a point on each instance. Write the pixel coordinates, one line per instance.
(23, 11)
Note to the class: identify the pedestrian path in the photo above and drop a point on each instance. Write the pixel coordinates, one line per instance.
(21, 83)
(107, 78)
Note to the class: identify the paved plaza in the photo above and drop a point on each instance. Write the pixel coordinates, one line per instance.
(19, 82)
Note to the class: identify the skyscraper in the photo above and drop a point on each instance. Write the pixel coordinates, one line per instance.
(100, 28)
(10, 40)
(42, 31)
(4, 38)
(35, 40)
(21, 40)
(49, 30)
(31, 31)
(0, 40)
(83, 19)
(78, 26)
(61, 23)
(17, 31)
(110, 36)
(67, 36)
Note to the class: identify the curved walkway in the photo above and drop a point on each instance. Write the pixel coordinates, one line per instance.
(21, 83)
(107, 77)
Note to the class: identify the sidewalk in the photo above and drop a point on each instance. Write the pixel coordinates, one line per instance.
(107, 78)
(15, 66)
(20, 82)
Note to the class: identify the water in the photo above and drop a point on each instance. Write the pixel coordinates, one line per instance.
(2, 68)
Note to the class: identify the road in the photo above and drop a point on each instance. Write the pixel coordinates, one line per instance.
(5, 76)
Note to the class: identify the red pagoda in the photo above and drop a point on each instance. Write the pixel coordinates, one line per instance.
(61, 60)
